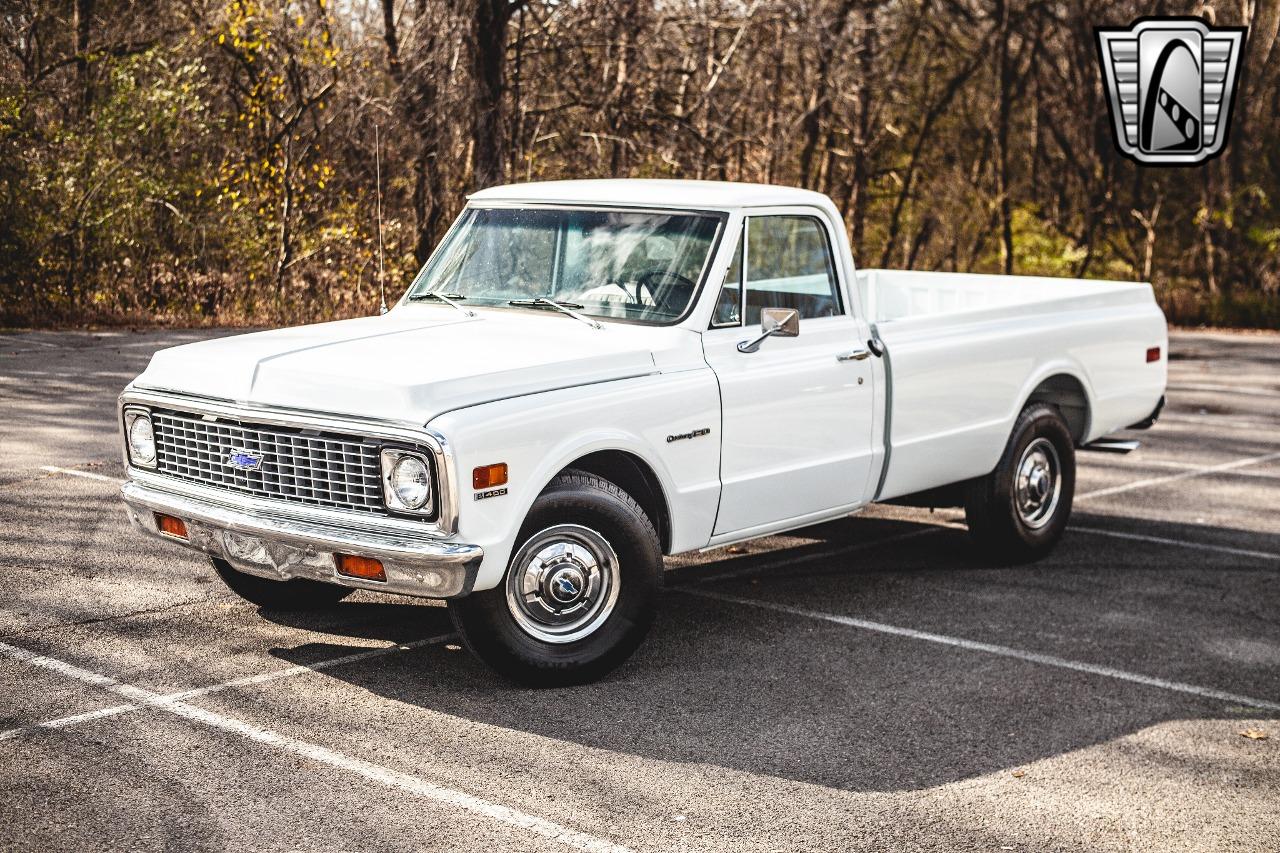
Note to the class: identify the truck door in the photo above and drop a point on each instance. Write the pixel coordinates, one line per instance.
(796, 433)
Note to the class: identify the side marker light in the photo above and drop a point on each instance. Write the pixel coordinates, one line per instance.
(365, 568)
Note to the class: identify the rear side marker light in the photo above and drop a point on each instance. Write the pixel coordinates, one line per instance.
(365, 568)
(488, 476)
(1153, 354)
(171, 526)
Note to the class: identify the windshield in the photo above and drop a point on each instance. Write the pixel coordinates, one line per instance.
(627, 265)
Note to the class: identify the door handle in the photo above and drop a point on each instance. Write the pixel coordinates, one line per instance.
(854, 355)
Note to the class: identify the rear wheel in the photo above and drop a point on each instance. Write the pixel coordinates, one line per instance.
(296, 594)
(1019, 511)
(580, 591)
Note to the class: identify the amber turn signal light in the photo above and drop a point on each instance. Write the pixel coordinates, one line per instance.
(366, 568)
(488, 476)
(1153, 354)
(171, 526)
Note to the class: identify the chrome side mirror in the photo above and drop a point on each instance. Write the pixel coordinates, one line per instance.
(774, 323)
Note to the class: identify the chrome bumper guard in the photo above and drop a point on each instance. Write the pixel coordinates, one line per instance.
(283, 547)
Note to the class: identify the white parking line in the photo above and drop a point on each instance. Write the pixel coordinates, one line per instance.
(1181, 543)
(394, 779)
(248, 680)
(25, 340)
(171, 342)
(1002, 651)
(1186, 471)
(88, 475)
(939, 526)
(1225, 389)
(1192, 466)
(1215, 421)
(1201, 471)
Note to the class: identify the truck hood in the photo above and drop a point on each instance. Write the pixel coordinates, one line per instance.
(416, 362)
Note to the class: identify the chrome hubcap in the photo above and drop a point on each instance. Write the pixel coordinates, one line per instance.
(1038, 485)
(563, 583)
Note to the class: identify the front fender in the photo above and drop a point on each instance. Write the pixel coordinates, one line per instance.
(539, 435)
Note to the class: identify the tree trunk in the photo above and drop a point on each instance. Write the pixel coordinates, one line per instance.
(82, 21)
(392, 41)
(488, 70)
(775, 101)
(1005, 71)
(861, 179)
(284, 249)
(820, 101)
(1206, 232)
(418, 99)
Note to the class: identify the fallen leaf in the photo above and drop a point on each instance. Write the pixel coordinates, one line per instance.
(1254, 734)
(1018, 774)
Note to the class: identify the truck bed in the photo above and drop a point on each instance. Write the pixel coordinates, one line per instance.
(966, 352)
(949, 298)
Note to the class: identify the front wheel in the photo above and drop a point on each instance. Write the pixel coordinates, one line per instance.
(1019, 511)
(580, 591)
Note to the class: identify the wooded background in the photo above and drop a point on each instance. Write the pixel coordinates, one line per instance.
(213, 160)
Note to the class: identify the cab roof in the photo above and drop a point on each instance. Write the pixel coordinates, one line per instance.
(646, 192)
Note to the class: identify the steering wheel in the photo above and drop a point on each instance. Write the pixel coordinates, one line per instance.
(664, 287)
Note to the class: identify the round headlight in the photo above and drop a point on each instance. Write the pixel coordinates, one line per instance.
(411, 482)
(142, 441)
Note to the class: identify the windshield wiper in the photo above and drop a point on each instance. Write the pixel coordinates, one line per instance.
(562, 307)
(446, 298)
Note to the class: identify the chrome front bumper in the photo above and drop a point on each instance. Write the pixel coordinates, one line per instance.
(281, 547)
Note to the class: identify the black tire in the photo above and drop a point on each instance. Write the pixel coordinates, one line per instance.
(1002, 530)
(490, 622)
(296, 594)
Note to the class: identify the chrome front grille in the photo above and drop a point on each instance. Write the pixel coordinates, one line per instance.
(320, 469)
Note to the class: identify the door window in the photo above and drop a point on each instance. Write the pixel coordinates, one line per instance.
(789, 265)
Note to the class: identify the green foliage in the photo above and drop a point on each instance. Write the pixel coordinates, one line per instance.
(1040, 249)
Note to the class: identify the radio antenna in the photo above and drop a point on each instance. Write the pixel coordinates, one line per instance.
(377, 160)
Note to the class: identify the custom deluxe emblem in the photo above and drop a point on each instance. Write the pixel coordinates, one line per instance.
(697, 433)
(1170, 83)
(244, 460)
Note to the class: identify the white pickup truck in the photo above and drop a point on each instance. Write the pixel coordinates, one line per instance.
(587, 375)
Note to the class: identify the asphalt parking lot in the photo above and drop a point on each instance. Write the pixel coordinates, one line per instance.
(865, 684)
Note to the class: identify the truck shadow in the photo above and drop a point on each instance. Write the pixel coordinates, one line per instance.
(773, 693)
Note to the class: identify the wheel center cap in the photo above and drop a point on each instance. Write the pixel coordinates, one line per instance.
(566, 585)
(1038, 483)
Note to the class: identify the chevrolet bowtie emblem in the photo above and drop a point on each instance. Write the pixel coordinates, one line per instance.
(244, 460)
(1170, 84)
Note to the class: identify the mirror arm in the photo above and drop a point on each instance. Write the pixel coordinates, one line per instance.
(753, 345)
